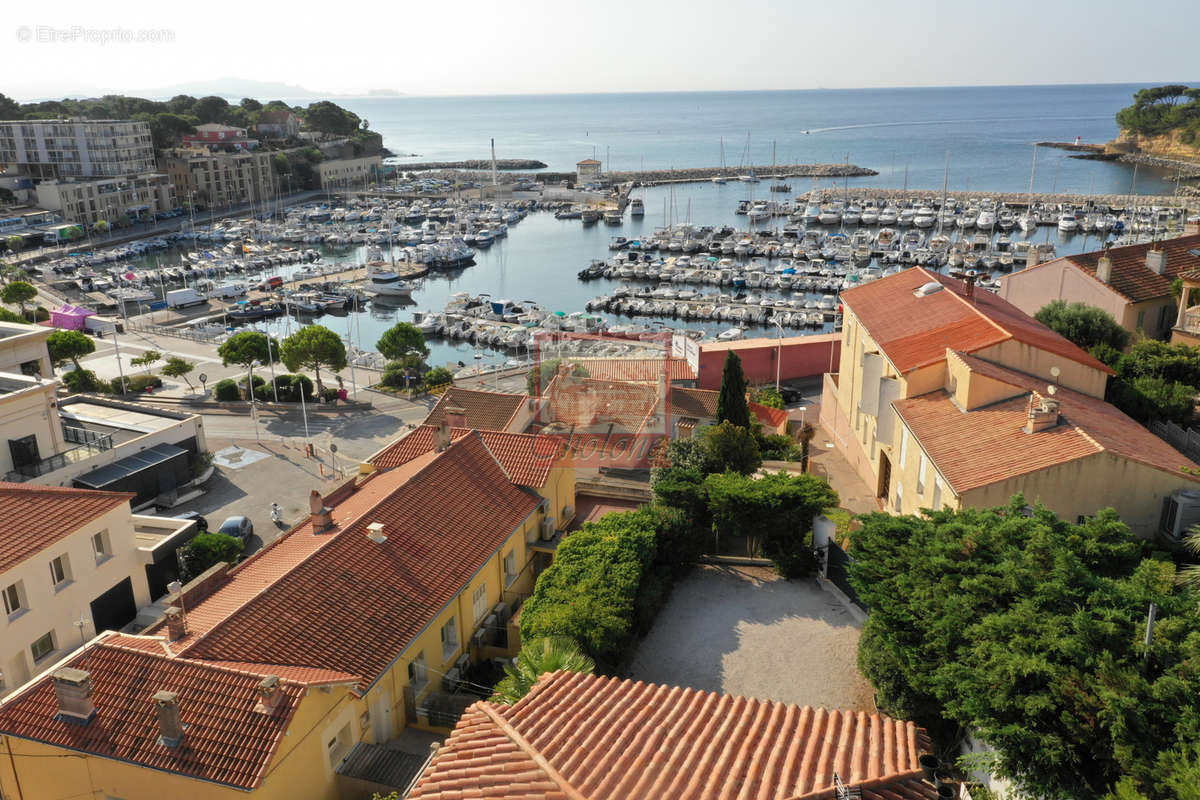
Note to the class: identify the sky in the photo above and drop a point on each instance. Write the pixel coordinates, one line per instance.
(73, 48)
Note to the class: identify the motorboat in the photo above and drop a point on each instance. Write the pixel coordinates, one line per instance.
(387, 283)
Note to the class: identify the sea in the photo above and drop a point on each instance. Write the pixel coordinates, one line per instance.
(977, 139)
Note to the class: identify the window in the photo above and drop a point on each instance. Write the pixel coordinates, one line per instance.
(42, 647)
(60, 572)
(13, 598)
(339, 745)
(937, 494)
(510, 568)
(417, 676)
(100, 546)
(899, 498)
(449, 639)
(903, 446)
(921, 467)
(479, 601)
(1141, 320)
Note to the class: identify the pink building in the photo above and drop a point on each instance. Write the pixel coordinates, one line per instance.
(211, 134)
(70, 318)
(798, 357)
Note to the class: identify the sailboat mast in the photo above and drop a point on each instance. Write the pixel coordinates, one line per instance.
(945, 188)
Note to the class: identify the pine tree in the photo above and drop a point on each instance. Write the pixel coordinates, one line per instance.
(731, 403)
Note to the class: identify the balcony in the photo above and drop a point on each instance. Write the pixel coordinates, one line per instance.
(87, 444)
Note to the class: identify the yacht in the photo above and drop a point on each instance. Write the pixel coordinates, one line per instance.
(637, 208)
(387, 283)
(812, 212)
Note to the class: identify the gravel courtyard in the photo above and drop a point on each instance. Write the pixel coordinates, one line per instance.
(745, 631)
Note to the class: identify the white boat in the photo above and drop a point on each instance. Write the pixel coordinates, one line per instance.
(637, 208)
(730, 334)
(1068, 222)
(387, 283)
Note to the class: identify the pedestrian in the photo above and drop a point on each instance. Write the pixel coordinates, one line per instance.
(276, 513)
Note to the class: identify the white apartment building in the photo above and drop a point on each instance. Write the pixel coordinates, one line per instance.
(73, 563)
(134, 197)
(342, 173)
(76, 148)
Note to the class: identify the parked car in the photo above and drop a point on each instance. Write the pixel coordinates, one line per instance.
(241, 527)
(201, 522)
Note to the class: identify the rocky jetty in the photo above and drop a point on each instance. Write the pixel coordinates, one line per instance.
(506, 164)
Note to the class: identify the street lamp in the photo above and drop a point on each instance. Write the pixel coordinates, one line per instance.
(250, 395)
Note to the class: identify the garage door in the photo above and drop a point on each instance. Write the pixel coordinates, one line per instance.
(115, 608)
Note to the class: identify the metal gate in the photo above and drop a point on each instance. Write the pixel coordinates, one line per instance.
(837, 564)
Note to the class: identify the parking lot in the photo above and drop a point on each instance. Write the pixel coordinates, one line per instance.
(745, 631)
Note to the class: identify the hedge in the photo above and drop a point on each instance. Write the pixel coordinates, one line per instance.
(591, 590)
(226, 390)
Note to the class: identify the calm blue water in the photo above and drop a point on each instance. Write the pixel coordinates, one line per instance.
(988, 131)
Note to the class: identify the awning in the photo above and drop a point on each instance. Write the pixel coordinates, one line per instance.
(383, 766)
(151, 458)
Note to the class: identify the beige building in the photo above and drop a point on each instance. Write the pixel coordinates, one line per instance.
(1132, 283)
(587, 171)
(341, 173)
(136, 197)
(951, 397)
(216, 179)
(76, 148)
(82, 440)
(73, 563)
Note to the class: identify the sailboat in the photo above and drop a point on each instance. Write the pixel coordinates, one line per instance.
(779, 185)
(748, 177)
(721, 178)
(1028, 221)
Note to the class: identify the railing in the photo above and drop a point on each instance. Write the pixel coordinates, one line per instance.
(1191, 322)
(443, 710)
(92, 439)
(88, 443)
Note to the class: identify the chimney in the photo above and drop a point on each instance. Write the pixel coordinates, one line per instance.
(456, 417)
(969, 288)
(170, 725)
(176, 623)
(270, 695)
(441, 435)
(1156, 260)
(322, 517)
(73, 689)
(375, 533)
(1104, 267)
(1042, 415)
(1033, 257)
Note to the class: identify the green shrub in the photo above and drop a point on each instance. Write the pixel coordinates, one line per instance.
(329, 394)
(226, 390)
(393, 375)
(206, 550)
(139, 383)
(289, 387)
(438, 376)
(84, 380)
(590, 591)
(41, 314)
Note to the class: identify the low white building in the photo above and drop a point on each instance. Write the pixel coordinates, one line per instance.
(73, 562)
(342, 173)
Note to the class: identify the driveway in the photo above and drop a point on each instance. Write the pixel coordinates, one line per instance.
(745, 631)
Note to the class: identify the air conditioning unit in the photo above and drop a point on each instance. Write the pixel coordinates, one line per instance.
(568, 512)
(1181, 511)
(463, 664)
(547, 529)
(479, 638)
(501, 613)
(451, 680)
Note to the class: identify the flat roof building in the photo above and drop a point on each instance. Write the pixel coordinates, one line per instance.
(76, 148)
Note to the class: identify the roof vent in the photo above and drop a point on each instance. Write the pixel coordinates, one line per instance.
(322, 517)
(270, 695)
(73, 690)
(375, 533)
(928, 289)
(170, 724)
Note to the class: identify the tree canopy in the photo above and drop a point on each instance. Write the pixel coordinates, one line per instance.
(405, 343)
(1028, 630)
(314, 346)
(70, 346)
(732, 448)
(731, 401)
(19, 292)
(1086, 326)
(178, 367)
(1161, 109)
(1156, 381)
(246, 347)
(548, 654)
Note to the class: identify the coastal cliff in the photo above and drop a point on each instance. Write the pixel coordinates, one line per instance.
(1170, 144)
(1162, 123)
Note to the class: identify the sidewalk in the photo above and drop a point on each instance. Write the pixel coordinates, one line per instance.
(825, 460)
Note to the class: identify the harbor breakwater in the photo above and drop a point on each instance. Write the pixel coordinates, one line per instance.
(654, 177)
(1011, 199)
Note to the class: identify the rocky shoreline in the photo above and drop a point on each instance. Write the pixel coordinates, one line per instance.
(506, 164)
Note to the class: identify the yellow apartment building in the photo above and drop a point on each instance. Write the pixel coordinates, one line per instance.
(950, 396)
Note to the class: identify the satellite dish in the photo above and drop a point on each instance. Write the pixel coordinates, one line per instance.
(1055, 371)
(1052, 389)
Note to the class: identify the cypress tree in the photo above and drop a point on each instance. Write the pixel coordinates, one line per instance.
(731, 402)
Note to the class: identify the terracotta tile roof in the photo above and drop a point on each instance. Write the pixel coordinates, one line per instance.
(352, 605)
(915, 331)
(225, 741)
(585, 402)
(987, 444)
(639, 370)
(486, 411)
(771, 417)
(586, 737)
(525, 457)
(1131, 277)
(33, 518)
(698, 403)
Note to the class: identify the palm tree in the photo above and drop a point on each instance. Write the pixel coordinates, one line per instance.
(548, 654)
(1190, 575)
